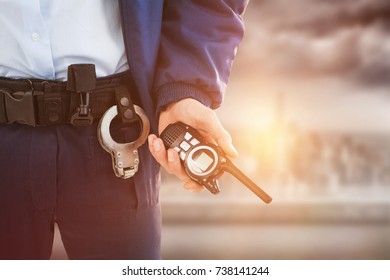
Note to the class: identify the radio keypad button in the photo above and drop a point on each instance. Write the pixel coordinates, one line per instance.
(187, 136)
(194, 142)
(185, 146)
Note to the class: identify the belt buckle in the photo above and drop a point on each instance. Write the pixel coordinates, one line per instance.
(20, 107)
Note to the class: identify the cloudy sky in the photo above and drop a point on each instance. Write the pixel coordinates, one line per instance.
(330, 59)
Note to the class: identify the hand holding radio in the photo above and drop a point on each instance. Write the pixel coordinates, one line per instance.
(207, 153)
(201, 118)
(204, 162)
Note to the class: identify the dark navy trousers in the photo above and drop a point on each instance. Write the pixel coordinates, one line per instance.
(60, 174)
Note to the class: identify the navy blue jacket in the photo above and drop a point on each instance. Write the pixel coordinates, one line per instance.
(178, 49)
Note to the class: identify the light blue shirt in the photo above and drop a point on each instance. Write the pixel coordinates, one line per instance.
(41, 38)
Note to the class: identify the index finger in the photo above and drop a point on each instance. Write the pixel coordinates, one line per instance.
(211, 128)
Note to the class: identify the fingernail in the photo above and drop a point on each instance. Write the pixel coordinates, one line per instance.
(171, 156)
(233, 150)
(156, 145)
(150, 141)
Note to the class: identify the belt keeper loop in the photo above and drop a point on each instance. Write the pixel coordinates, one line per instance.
(82, 80)
(52, 108)
(125, 105)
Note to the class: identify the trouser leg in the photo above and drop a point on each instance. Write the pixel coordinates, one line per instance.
(27, 191)
(61, 173)
(98, 213)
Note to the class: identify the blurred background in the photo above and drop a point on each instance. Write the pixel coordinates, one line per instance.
(308, 109)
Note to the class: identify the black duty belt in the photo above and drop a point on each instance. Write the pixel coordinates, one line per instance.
(81, 100)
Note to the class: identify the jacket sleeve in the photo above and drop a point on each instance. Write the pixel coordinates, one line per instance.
(199, 40)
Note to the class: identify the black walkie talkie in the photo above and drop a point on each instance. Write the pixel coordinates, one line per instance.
(204, 162)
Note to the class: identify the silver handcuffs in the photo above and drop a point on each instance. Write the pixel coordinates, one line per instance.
(125, 159)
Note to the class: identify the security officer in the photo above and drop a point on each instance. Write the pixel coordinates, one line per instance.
(62, 64)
